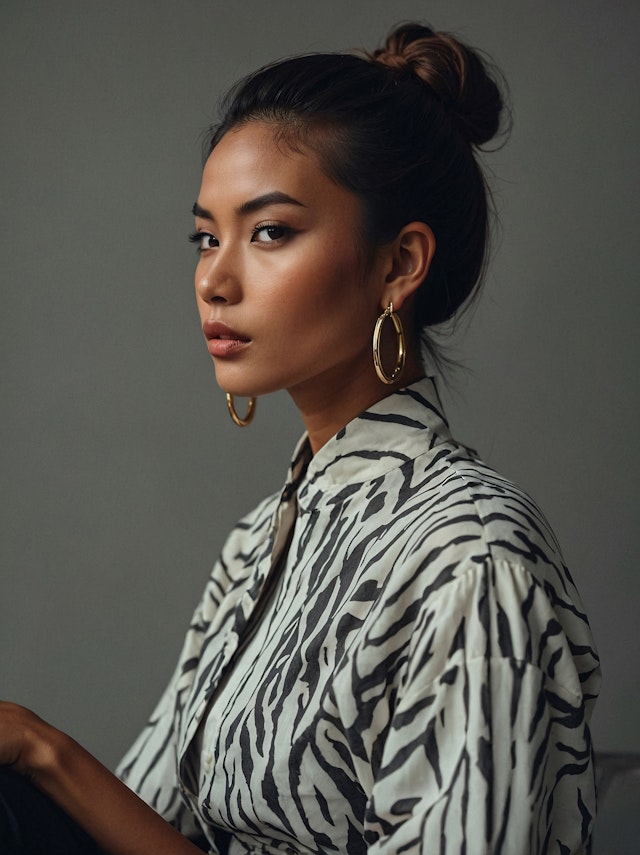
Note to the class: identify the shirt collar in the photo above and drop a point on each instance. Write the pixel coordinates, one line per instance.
(396, 429)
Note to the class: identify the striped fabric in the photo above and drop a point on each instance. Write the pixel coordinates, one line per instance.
(389, 657)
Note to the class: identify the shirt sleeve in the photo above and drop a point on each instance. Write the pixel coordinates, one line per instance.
(488, 749)
(151, 767)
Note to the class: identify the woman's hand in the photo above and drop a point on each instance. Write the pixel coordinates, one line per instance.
(119, 822)
(27, 743)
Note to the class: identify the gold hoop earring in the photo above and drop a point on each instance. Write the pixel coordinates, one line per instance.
(377, 335)
(251, 408)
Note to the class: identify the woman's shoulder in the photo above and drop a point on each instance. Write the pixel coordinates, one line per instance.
(480, 558)
(462, 499)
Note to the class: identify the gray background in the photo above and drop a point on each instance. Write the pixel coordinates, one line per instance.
(121, 471)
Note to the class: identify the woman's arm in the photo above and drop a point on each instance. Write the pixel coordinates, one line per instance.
(489, 746)
(117, 819)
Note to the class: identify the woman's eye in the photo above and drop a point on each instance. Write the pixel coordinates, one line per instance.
(269, 234)
(203, 240)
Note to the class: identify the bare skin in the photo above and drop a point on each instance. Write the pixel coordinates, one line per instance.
(279, 264)
(289, 305)
(119, 822)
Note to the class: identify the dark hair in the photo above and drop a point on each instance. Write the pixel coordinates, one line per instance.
(399, 128)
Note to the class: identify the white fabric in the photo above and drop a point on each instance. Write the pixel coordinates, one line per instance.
(414, 673)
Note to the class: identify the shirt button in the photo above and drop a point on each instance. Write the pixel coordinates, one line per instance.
(208, 761)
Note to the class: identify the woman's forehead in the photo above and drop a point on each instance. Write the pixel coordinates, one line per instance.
(254, 159)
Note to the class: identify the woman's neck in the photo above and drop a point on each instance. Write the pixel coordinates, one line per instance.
(330, 403)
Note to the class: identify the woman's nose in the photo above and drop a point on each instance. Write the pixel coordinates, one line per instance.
(217, 280)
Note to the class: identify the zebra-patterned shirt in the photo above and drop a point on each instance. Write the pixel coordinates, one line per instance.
(389, 656)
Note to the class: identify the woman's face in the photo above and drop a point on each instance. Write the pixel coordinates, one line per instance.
(280, 284)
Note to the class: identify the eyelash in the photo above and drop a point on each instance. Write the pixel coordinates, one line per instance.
(286, 231)
(197, 237)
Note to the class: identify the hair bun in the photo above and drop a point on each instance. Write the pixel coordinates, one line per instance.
(454, 72)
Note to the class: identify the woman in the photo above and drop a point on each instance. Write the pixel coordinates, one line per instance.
(390, 654)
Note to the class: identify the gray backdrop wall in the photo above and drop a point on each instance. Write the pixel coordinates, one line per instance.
(121, 471)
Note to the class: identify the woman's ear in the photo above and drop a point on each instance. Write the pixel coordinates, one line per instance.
(410, 256)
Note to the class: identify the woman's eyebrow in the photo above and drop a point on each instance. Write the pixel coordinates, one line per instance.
(199, 211)
(275, 197)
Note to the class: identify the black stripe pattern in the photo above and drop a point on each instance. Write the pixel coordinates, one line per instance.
(389, 657)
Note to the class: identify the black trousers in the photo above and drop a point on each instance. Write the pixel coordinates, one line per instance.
(31, 824)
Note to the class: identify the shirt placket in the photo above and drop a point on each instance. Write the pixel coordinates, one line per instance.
(246, 616)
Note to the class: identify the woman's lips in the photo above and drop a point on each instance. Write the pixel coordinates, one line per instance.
(221, 339)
